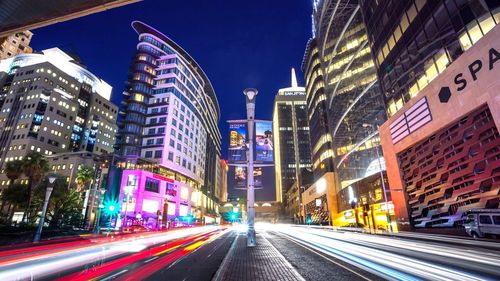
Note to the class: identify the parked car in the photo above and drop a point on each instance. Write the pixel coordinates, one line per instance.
(480, 223)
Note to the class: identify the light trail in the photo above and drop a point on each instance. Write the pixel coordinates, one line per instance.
(50, 264)
(397, 259)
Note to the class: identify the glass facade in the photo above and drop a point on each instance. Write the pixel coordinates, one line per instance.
(291, 139)
(343, 96)
(413, 41)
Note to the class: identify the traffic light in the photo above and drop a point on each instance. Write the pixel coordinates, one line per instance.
(111, 208)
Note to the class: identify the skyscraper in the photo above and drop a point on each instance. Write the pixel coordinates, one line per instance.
(436, 62)
(170, 115)
(345, 108)
(52, 104)
(291, 137)
(15, 44)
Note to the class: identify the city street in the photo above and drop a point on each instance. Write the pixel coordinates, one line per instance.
(314, 253)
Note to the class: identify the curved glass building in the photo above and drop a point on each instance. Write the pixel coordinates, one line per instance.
(170, 112)
(345, 109)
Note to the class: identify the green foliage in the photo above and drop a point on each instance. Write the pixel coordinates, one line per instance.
(65, 204)
(84, 176)
(14, 170)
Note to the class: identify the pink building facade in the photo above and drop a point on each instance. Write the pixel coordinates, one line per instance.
(154, 200)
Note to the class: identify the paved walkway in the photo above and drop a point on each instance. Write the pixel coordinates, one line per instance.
(262, 262)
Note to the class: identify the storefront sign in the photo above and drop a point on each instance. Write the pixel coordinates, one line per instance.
(474, 69)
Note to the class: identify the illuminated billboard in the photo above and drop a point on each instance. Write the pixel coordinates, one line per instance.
(264, 141)
(237, 142)
(240, 176)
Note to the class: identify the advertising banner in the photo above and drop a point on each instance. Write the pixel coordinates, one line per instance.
(237, 142)
(264, 141)
(240, 176)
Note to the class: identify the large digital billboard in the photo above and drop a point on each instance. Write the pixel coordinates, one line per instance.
(264, 141)
(237, 142)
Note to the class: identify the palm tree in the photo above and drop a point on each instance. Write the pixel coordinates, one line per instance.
(84, 177)
(35, 165)
(13, 171)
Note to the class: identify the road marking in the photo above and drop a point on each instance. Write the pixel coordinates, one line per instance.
(327, 258)
(153, 258)
(167, 250)
(114, 275)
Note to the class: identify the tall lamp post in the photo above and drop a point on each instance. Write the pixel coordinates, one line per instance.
(384, 190)
(48, 191)
(97, 227)
(250, 94)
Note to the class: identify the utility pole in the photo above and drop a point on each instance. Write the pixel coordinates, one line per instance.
(250, 94)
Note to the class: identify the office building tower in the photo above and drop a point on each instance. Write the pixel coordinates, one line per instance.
(291, 137)
(15, 44)
(50, 103)
(436, 63)
(345, 110)
(169, 119)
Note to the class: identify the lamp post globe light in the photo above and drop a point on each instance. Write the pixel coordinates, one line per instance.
(250, 94)
(48, 191)
(384, 190)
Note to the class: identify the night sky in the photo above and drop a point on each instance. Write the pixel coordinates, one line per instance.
(239, 44)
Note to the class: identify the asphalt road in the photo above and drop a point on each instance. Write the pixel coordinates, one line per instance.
(130, 257)
(372, 257)
(313, 265)
(200, 265)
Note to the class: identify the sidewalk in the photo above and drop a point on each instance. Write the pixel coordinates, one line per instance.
(262, 262)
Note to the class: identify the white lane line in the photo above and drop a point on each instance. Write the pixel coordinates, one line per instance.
(153, 258)
(114, 275)
(327, 258)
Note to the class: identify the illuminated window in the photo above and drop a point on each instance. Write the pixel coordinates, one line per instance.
(184, 193)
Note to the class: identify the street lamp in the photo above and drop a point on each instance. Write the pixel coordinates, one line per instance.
(97, 227)
(250, 94)
(48, 191)
(388, 214)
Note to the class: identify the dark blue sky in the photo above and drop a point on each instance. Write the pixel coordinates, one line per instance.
(238, 44)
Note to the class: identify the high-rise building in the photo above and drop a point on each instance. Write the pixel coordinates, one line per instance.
(221, 186)
(15, 44)
(21, 15)
(169, 118)
(52, 104)
(436, 62)
(291, 137)
(345, 109)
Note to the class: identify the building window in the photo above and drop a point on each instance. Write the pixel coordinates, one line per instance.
(170, 156)
(148, 154)
(158, 153)
(152, 185)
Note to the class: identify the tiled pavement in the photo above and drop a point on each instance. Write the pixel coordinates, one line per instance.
(259, 263)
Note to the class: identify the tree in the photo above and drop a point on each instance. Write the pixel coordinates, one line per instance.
(16, 195)
(84, 177)
(35, 166)
(13, 171)
(64, 206)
